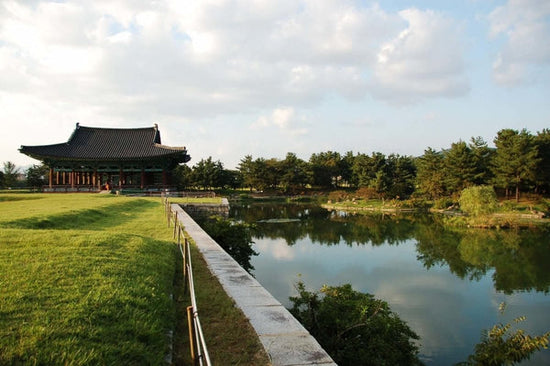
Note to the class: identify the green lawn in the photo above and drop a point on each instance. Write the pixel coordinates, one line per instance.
(87, 279)
(84, 279)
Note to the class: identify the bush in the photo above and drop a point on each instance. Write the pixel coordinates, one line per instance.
(419, 203)
(234, 237)
(478, 200)
(443, 203)
(338, 196)
(354, 327)
(501, 346)
(367, 193)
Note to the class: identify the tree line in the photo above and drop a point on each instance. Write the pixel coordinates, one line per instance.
(10, 176)
(519, 162)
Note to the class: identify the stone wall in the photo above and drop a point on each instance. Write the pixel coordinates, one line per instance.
(285, 340)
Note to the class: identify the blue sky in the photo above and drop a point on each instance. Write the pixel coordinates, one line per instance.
(231, 78)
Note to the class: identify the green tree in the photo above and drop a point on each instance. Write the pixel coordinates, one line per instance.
(430, 174)
(346, 169)
(326, 169)
(355, 328)
(459, 167)
(182, 176)
(478, 200)
(368, 171)
(231, 179)
(542, 178)
(37, 176)
(2, 179)
(246, 168)
(207, 174)
(400, 176)
(482, 155)
(10, 174)
(294, 173)
(234, 237)
(515, 159)
(271, 175)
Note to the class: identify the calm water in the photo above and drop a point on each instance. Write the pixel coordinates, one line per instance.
(446, 284)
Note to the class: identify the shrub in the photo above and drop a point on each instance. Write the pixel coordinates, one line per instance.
(443, 203)
(355, 328)
(478, 200)
(500, 346)
(367, 193)
(419, 203)
(234, 237)
(338, 196)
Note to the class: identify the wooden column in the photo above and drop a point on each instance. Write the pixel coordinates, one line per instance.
(71, 178)
(50, 178)
(142, 183)
(120, 177)
(164, 178)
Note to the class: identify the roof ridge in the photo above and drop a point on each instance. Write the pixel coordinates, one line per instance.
(116, 128)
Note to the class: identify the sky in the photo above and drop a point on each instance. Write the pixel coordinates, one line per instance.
(230, 78)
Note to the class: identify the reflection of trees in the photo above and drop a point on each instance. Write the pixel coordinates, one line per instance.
(324, 227)
(519, 258)
(438, 247)
(374, 229)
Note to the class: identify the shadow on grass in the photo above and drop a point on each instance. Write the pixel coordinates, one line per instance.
(11, 198)
(90, 219)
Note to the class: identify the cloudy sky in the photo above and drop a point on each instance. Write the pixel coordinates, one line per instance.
(266, 77)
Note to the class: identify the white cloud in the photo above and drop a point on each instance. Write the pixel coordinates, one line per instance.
(284, 119)
(424, 60)
(201, 59)
(525, 25)
(283, 64)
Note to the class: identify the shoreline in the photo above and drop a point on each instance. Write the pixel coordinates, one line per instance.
(498, 220)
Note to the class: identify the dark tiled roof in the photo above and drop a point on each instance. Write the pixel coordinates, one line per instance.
(91, 143)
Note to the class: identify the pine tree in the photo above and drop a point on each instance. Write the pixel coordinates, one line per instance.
(325, 167)
(429, 176)
(246, 167)
(542, 142)
(515, 161)
(482, 155)
(460, 167)
(10, 174)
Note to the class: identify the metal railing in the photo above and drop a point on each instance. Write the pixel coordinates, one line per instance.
(197, 343)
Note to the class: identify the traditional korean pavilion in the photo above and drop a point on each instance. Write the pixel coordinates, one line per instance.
(106, 158)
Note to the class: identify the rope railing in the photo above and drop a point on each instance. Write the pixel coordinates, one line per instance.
(197, 343)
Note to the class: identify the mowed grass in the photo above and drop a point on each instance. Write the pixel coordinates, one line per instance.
(84, 279)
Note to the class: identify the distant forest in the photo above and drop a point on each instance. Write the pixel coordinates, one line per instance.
(520, 162)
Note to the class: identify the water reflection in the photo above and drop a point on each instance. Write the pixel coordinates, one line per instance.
(519, 258)
(446, 283)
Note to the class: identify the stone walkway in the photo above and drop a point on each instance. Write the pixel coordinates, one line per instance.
(285, 340)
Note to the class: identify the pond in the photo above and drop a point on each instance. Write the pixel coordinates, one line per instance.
(447, 284)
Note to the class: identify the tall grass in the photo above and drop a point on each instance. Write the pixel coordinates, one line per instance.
(84, 279)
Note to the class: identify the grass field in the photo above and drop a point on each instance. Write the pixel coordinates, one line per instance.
(88, 279)
(84, 279)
